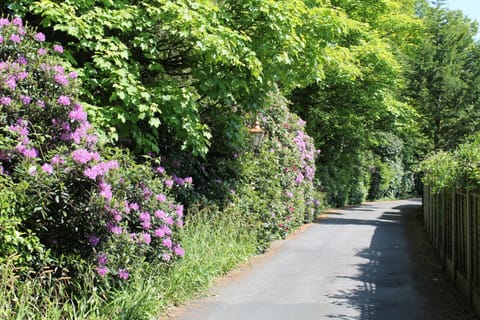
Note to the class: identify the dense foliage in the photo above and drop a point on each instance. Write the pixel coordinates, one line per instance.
(73, 201)
(136, 113)
(456, 169)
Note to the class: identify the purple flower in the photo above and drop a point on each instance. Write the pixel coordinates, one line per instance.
(168, 220)
(123, 274)
(160, 170)
(42, 51)
(58, 48)
(188, 180)
(102, 271)
(160, 214)
(81, 156)
(289, 194)
(302, 122)
(57, 160)
(17, 21)
(93, 240)
(4, 22)
(179, 210)
(167, 243)
(134, 206)
(6, 101)
(146, 238)
(30, 153)
(145, 216)
(102, 259)
(22, 60)
(169, 183)
(105, 190)
(159, 233)
(116, 230)
(161, 197)
(64, 101)
(11, 83)
(40, 37)
(61, 79)
(73, 75)
(15, 38)
(47, 168)
(178, 251)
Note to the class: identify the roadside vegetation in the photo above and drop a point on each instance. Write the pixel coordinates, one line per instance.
(128, 176)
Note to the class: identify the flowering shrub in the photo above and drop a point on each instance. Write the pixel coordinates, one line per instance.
(79, 203)
(277, 184)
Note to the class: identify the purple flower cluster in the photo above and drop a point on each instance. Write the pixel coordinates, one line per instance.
(66, 146)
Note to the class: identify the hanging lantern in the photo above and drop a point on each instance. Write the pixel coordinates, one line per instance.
(257, 136)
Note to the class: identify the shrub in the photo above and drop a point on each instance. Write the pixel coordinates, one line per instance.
(83, 205)
(277, 184)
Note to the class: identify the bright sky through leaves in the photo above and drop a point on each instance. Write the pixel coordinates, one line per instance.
(470, 7)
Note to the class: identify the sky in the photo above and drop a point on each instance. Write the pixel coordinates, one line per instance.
(470, 7)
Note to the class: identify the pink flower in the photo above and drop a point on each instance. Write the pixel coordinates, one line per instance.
(167, 243)
(161, 197)
(4, 22)
(179, 210)
(102, 259)
(57, 160)
(30, 153)
(159, 233)
(105, 190)
(73, 75)
(160, 170)
(15, 38)
(160, 214)
(134, 206)
(61, 79)
(102, 271)
(64, 101)
(42, 51)
(81, 156)
(169, 183)
(25, 99)
(6, 101)
(144, 216)
(178, 251)
(289, 194)
(17, 21)
(146, 238)
(123, 274)
(47, 168)
(58, 48)
(11, 83)
(40, 37)
(188, 180)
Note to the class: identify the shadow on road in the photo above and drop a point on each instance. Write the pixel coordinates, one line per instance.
(395, 282)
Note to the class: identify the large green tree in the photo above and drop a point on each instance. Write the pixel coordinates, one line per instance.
(352, 111)
(444, 76)
(155, 71)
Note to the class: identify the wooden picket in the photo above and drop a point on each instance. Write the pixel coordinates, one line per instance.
(452, 223)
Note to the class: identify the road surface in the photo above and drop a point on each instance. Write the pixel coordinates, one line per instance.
(370, 262)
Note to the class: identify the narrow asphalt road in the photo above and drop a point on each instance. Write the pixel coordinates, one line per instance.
(370, 262)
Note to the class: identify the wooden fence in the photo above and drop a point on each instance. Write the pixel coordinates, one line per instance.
(452, 221)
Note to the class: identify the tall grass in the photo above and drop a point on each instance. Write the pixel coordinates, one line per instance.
(214, 242)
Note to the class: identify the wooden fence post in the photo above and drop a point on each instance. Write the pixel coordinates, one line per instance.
(469, 223)
(454, 236)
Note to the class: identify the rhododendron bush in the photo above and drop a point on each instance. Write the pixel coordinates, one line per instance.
(79, 200)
